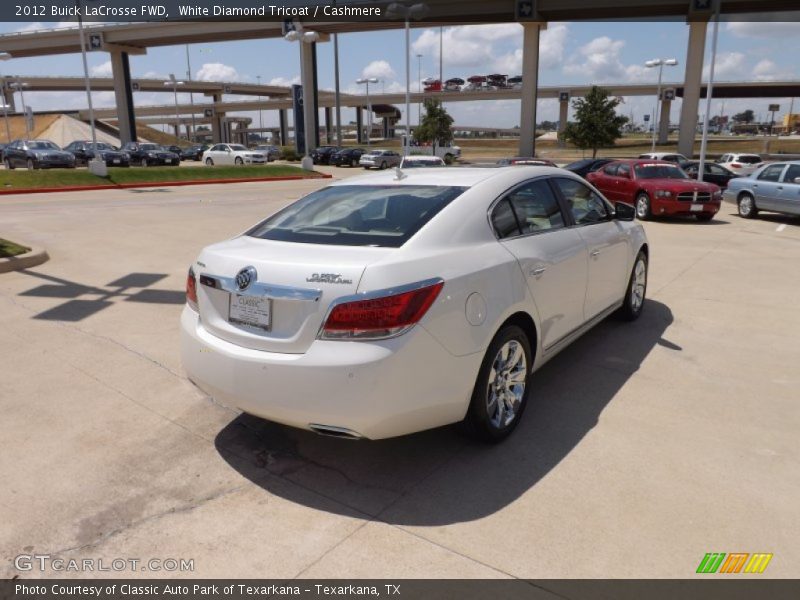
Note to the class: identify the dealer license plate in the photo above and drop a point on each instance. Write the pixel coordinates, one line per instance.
(696, 207)
(254, 311)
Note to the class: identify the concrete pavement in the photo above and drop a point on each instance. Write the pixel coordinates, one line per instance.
(645, 445)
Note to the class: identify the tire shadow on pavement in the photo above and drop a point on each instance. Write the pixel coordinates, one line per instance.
(437, 477)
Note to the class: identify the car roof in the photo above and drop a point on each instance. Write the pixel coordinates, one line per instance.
(457, 176)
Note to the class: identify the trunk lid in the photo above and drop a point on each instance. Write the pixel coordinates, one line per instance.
(300, 280)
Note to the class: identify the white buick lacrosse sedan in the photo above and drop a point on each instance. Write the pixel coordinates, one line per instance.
(388, 304)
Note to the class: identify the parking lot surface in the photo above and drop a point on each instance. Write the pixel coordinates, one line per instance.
(644, 446)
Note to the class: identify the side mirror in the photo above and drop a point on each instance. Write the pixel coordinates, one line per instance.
(624, 212)
(797, 179)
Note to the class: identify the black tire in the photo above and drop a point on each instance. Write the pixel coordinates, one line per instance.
(480, 422)
(631, 308)
(643, 209)
(209, 162)
(238, 161)
(704, 218)
(746, 206)
(383, 165)
(9, 165)
(143, 162)
(353, 162)
(31, 165)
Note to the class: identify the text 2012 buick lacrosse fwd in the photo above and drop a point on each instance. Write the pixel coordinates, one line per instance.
(393, 303)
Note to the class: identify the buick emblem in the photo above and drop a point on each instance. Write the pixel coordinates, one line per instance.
(245, 277)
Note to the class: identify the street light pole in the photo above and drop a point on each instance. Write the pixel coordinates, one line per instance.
(3, 87)
(709, 94)
(419, 88)
(260, 112)
(367, 81)
(658, 62)
(415, 11)
(309, 116)
(175, 83)
(191, 95)
(338, 100)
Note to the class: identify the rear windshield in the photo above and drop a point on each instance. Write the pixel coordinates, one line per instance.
(358, 215)
(749, 160)
(657, 171)
(150, 147)
(36, 145)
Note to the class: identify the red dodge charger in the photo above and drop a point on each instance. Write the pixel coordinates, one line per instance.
(657, 188)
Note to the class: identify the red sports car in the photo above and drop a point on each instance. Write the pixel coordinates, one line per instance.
(657, 188)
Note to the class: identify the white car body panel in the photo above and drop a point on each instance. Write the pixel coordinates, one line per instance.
(424, 377)
(224, 154)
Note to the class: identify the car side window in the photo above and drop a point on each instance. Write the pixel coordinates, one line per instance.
(792, 173)
(586, 206)
(624, 170)
(503, 220)
(610, 170)
(772, 172)
(714, 169)
(536, 207)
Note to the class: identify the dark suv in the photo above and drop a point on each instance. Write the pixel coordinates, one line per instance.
(148, 155)
(322, 155)
(347, 157)
(37, 154)
(85, 151)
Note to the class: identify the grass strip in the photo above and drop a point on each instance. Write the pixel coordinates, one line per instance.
(20, 179)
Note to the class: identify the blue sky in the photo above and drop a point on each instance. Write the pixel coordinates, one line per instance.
(571, 53)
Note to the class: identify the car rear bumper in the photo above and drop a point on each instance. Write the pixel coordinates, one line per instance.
(373, 389)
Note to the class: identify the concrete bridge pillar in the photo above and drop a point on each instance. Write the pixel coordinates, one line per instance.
(282, 123)
(691, 87)
(359, 125)
(328, 125)
(123, 95)
(563, 115)
(663, 125)
(530, 82)
(217, 118)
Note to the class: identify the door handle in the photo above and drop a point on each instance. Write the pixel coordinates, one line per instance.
(538, 271)
(595, 253)
(780, 187)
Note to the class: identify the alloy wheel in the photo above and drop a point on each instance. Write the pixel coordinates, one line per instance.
(506, 385)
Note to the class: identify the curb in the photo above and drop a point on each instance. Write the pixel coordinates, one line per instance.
(33, 258)
(125, 186)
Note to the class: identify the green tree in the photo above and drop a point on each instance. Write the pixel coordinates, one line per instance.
(597, 123)
(747, 116)
(436, 126)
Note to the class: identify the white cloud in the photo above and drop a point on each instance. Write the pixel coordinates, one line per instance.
(217, 72)
(30, 27)
(103, 70)
(785, 25)
(380, 69)
(767, 70)
(486, 47)
(283, 81)
(599, 60)
(728, 64)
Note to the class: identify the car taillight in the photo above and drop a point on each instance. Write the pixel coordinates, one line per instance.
(736, 166)
(191, 290)
(380, 316)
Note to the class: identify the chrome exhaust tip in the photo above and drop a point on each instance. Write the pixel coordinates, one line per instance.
(333, 431)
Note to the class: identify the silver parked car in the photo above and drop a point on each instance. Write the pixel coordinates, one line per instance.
(380, 159)
(774, 187)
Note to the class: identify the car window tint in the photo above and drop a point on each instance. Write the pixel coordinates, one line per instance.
(624, 170)
(715, 170)
(610, 169)
(586, 206)
(536, 207)
(358, 215)
(792, 173)
(772, 172)
(503, 220)
(750, 159)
